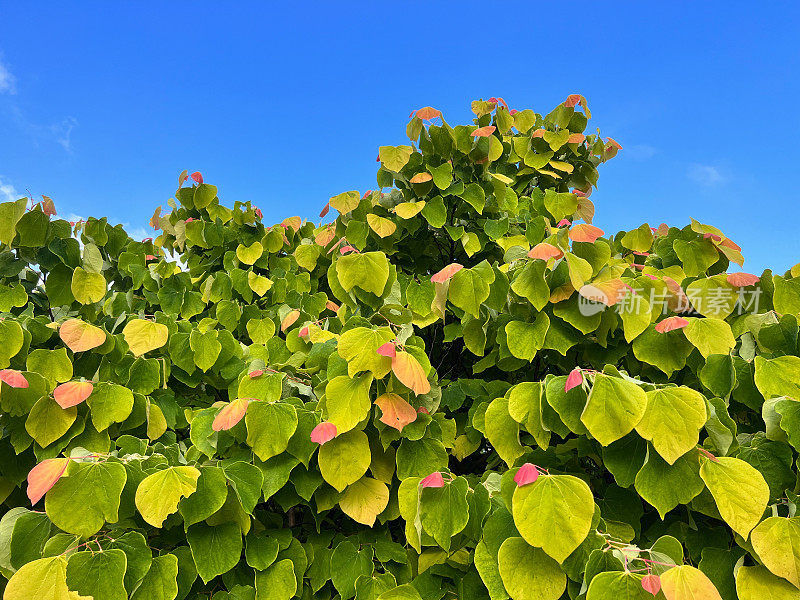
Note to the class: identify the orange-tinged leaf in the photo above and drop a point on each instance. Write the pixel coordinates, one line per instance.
(484, 131)
(729, 243)
(670, 324)
(325, 236)
(396, 412)
(255, 373)
(561, 293)
(293, 222)
(421, 178)
(330, 305)
(80, 336)
(290, 319)
(427, 113)
(230, 414)
(325, 210)
(324, 432)
(72, 393)
(545, 251)
(446, 273)
(585, 233)
(576, 138)
(183, 177)
(608, 292)
(410, 373)
(538, 133)
(585, 208)
(44, 476)
(742, 279)
(573, 100)
(13, 378)
(197, 177)
(388, 349)
(48, 206)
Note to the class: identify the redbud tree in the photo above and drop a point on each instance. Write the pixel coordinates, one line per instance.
(457, 388)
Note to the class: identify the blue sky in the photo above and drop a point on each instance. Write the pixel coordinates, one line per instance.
(103, 104)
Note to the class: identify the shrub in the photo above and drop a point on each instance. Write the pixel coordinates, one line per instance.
(453, 390)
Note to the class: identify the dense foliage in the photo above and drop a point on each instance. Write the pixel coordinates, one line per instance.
(452, 390)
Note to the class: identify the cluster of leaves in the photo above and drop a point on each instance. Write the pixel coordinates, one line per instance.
(452, 390)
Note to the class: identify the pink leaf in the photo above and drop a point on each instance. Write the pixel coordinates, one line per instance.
(13, 378)
(197, 176)
(230, 414)
(388, 349)
(258, 213)
(324, 432)
(670, 324)
(574, 379)
(427, 113)
(446, 273)
(526, 474)
(434, 480)
(346, 249)
(564, 223)
(651, 583)
(72, 393)
(303, 332)
(255, 373)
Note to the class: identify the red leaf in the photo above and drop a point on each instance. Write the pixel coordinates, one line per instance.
(742, 279)
(395, 411)
(526, 474)
(325, 210)
(422, 410)
(484, 131)
(670, 324)
(255, 373)
(585, 233)
(197, 176)
(713, 236)
(346, 249)
(324, 432)
(303, 332)
(189, 220)
(230, 414)
(573, 100)
(446, 273)
(258, 213)
(427, 113)
(545, 251)
(149, 257)
(388, 349)
(574, 379)
(72, 393)
(13, 378)
(434, 480)
(579, 193)
(48, 206)
(728, 243)
(651, 583)
(44, 476)
(513, 111)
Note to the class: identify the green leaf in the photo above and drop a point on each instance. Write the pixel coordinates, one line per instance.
(615, 406)
(468, 290)
(47, 421)
(215, 550)
(364, 500)
(778, 376)
(502, 431)
(665, 351)
(143, 336)
(394, 158)
(673, 420)
(444, 511)
(43, 579)
(617, 585)
(351, 563)
(345, 459)
(527, 572)
(206, 348)
(208, 498)
(359, 347)
(526, 339)
(757, 583)
(561, 502)
(11, 340)
(276, 582)
(368, 271)
(710, 336)
(666, 486)
(87, 288)
(158, 494)
(269, 427)
(10, 214)
(530, 283)
(777, 542)
(87, 498)
(739, 490)
(109, 403)
(347, 401)
(98, 574)
(161, 581)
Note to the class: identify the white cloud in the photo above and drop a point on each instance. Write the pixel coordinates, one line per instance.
(7, 192)
(8, 83)
(62, 132)
(705, 174)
